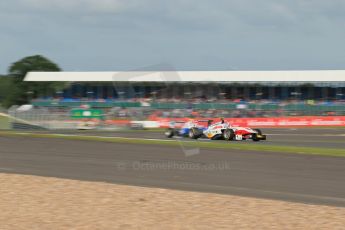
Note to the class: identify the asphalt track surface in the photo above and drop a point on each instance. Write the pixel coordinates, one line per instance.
(291, 177)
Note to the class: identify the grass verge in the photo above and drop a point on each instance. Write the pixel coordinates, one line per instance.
(4, 122)
(197, 144)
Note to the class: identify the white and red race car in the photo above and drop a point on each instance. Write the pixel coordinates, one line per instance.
(224, 131)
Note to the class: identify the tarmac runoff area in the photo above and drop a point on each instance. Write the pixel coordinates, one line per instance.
(303, 178)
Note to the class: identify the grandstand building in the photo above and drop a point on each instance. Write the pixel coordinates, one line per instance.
(151, 99)
(245, 85)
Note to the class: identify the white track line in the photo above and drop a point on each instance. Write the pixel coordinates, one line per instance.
(6, 169)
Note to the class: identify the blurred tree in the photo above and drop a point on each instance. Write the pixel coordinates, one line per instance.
(22, 92)
(5, 83)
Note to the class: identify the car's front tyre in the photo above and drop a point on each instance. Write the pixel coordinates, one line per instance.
(258, 131)
(193, 133)
(169, 133)
(255, 135)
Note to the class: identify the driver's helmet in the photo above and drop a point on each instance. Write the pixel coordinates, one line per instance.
(191, 121)
(222, 120)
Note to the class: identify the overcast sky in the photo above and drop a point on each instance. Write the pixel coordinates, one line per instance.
(110, 35)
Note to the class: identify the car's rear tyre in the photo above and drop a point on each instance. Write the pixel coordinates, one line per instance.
(193, 133)
(169, 133)
(228, 134)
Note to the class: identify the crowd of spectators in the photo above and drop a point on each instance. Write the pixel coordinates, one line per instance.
(189, 108)
(199, 100)
(227, 113)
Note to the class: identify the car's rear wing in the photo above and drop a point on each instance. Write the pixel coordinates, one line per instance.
(173, 124)
(178, 122)
(205, 120)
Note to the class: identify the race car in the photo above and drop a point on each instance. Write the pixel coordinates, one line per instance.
(224, 131)
(218, 131)
(87, 125)
(186, 130)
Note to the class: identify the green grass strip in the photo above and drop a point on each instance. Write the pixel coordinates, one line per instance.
(4, 122)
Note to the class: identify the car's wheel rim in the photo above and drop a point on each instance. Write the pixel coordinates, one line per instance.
(191, 134)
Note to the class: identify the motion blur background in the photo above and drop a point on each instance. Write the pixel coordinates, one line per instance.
(106, 105)
(232, 35)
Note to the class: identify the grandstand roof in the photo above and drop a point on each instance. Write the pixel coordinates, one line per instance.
(191, 76)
